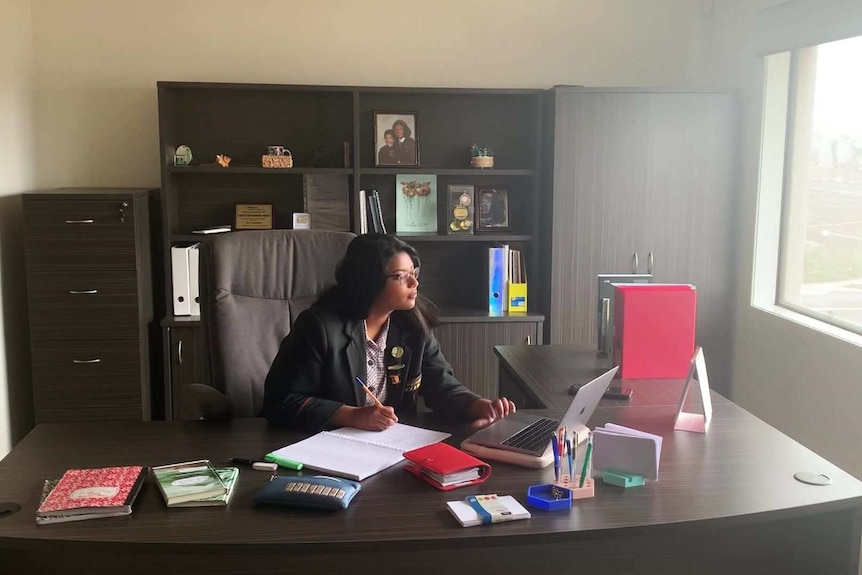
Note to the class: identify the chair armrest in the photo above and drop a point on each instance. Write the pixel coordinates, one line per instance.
(208, 402)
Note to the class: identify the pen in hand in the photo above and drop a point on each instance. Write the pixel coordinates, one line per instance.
(368, 392)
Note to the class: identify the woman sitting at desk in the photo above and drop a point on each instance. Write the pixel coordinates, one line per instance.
(372, 326)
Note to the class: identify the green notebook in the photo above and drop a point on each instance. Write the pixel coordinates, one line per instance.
(228, 476)
(189, 481)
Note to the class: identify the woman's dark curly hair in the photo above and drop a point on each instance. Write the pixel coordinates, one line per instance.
(361, 276)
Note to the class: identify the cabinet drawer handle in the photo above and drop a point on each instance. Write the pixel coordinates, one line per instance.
(80, 221)
(97, 360)
(527, 340)
(83, 291)
(635, 263)
(180, 352)
(649, 263)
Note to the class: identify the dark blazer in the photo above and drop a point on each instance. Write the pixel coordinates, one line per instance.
(315, 371)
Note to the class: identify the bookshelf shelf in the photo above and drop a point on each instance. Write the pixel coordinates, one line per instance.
(484, 237)
(467, 172)
(234, 170)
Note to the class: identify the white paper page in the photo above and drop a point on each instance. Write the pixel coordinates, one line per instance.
(332, 454)
(399, 437)
(626, 453)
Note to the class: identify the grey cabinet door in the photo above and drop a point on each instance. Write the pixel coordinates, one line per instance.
(688, 216)
(599, 179)
(469, 348)
(646, 173)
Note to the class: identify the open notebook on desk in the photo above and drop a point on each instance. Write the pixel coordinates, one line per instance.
(356, 453)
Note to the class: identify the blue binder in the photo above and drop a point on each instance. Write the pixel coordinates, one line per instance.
(498, 260)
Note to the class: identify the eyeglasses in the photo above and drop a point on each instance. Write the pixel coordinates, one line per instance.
(404, 277)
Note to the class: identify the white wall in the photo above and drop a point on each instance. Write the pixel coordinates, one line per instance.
(16, 176)
(804, 382)
(95, 64)
(97, 61)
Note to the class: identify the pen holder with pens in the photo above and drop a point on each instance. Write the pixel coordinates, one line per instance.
(560, 494)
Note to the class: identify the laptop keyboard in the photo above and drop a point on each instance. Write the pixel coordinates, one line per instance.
(535, 436)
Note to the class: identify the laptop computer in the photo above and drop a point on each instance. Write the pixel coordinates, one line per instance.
(531, 434)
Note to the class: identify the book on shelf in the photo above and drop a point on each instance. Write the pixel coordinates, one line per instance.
(228, 476)
(188, 481)
(213, 230)
(375, 215)
(357, 454)
(101, 492)
(379, 211)
(487, 509)
(363, 213)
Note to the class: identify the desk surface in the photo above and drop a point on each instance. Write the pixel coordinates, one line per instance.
(547, 371)
(742, 471)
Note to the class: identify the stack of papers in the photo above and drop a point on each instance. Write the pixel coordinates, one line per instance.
(453, 478)
(628, 450)
(496, 509)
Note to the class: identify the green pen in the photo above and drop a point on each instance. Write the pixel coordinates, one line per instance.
(290, 464)
(586, 463)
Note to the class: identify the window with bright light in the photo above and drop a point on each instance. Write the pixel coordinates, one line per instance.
(820, 262)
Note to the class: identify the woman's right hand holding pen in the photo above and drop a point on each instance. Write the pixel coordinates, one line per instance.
(371, 418)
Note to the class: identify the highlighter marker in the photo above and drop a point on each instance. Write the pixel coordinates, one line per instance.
(283, 462)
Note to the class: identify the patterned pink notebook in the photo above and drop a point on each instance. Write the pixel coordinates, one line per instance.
(92, 490)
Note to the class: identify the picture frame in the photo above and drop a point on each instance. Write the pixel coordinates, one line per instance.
(492, 214)
(416, 204)
(396, 139)
(253, 217)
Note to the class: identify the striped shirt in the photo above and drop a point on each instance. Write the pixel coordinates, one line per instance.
(375, 360)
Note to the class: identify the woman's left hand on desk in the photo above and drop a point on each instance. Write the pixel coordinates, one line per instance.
(487, 411)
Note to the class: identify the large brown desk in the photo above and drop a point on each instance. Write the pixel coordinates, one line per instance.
(725, 502)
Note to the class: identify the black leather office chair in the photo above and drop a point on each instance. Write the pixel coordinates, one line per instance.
(253, 286)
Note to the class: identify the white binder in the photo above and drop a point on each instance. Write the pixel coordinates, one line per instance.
(180, 280)
(194, 279)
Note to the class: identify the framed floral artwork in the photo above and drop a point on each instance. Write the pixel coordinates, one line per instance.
(415, 203)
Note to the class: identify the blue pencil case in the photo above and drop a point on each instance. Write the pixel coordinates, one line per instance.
(318, 492)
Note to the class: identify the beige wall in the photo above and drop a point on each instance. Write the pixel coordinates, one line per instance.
(16, 176)
(97, 61)
(800, 380)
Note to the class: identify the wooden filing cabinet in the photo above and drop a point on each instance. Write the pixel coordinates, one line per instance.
(90, 298)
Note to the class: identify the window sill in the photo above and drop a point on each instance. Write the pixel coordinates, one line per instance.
(811, 323)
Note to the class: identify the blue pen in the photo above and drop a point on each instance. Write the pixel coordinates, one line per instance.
(571, 461)
(556, 459)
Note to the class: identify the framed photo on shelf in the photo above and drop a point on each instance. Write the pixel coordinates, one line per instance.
(395, 139)
(493, 214)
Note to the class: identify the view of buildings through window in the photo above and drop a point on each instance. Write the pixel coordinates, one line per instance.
(821, 264)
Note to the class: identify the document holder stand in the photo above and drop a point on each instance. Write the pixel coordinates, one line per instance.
(696, 422)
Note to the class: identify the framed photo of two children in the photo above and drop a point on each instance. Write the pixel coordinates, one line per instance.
(395, 139)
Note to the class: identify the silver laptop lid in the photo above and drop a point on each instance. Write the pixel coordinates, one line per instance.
(585, 402)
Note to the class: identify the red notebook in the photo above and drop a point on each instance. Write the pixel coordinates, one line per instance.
(654, 330)
(446, 467)
(93, 491)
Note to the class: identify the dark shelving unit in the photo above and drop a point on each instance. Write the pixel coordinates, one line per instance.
(240, 120)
